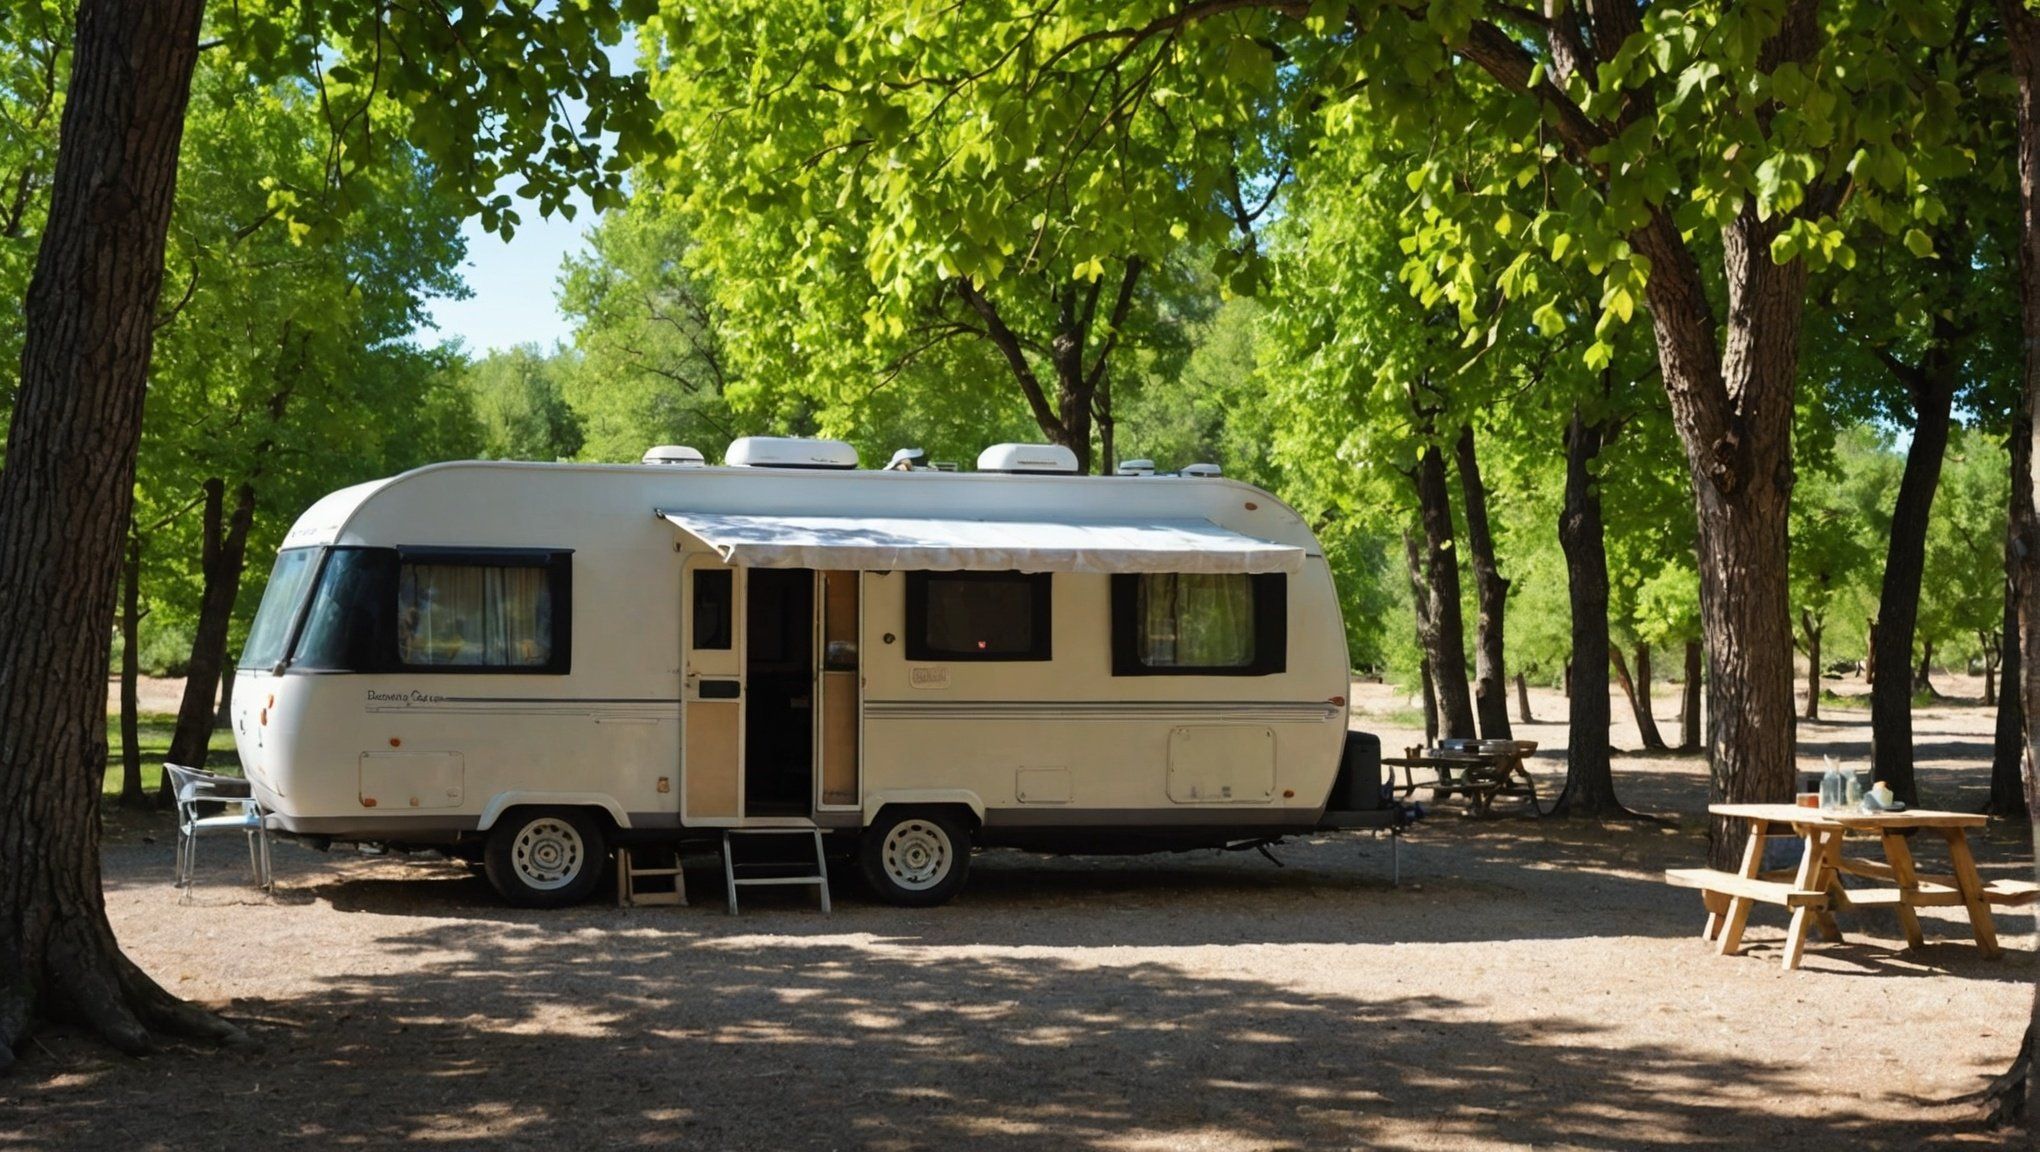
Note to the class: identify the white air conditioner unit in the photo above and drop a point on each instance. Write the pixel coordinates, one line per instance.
(789, 452)
(1202, 470)
(1044, 458)
(1135, 468)
(677, 455)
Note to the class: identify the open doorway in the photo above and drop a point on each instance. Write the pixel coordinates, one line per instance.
(779, 679)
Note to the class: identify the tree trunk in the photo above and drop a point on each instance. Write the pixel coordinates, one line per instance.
(1932, 386)
(1430, 706)
(1523, 700)
(224, 717)
(1589, 777)
(224, 554)
(1811, 630)
(65, 497)
(1690, 737)
(131, 794)
(2007, 788)
(1990, 663)
(1444, 629)
(1490, 593)
(1922, 681)
(1638, 692)
(1732, 388)
(2022, 31)
(1421, 603)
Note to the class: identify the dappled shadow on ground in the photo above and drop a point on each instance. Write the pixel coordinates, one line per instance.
(649, 1036)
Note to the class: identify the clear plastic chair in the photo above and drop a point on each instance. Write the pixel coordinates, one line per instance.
(193, 788)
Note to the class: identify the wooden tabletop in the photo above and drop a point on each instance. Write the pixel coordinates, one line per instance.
(1793, 814)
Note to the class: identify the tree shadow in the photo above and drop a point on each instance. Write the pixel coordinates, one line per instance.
(527, 1035)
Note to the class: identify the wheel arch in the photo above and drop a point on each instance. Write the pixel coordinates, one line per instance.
(502, 803)
(877, 802)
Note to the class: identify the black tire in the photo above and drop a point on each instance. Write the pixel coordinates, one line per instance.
(546, 857)
(915, 857)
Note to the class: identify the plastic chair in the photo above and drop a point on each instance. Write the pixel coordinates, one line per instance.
(193, 788)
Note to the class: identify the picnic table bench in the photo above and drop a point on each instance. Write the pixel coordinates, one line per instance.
(1469, 770)
(1813, 890)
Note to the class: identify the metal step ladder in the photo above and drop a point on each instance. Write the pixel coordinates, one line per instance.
(628, 873)
(734, 870)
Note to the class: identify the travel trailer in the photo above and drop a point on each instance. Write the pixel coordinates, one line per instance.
(527, 665)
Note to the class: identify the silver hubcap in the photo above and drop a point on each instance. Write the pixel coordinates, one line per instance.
(548, 854)
(917, 855)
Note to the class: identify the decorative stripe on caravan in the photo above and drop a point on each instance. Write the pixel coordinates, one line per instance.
(1267, 711)
(432, 704)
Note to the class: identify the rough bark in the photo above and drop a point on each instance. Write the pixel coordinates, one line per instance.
(1931, 384)
(1636, 690)
(1442, 624)
(2007, 786)
(223, 555)
(1490, 594)
(1523, 701)
(131, 794)
(1421, 600)
(65, 498)
(1690, 735)
(2022, 29)
(1589, 776)
(1811, 629)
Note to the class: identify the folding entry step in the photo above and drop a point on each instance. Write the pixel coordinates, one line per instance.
(628, 873)
(779, 871)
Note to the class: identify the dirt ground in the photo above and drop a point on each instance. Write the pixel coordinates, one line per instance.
(1531, 984)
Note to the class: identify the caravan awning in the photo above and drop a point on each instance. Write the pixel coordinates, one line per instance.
(892, 543)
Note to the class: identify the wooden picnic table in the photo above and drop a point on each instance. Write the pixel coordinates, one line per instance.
(1478, 776)
(1814, 891)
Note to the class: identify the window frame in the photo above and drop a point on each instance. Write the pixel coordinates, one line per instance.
(558, 563)
(1040, 646)
(1271, 629)
(560, 583)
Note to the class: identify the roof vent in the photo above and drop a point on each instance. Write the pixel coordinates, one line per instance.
(1205, 470)
(1050, 458)
(905, 460)
(1135, 468)
(677, 455)
(789, 452)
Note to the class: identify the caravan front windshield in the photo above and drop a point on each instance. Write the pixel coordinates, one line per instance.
(288, 583)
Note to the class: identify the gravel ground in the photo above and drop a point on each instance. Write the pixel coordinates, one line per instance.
(1530, 985)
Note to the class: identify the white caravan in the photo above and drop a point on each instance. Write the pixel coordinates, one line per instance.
(526, 664)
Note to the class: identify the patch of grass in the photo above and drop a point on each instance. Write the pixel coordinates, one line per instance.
(154, 732)
(1395, 717)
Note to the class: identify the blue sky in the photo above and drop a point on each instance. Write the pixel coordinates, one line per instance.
(515, 284)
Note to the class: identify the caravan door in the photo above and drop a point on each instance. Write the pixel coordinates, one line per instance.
(711, 692)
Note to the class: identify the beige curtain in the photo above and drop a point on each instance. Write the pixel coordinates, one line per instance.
(458, 614)
(1196, 620)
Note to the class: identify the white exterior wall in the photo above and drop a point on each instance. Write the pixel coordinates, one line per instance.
(608, 732)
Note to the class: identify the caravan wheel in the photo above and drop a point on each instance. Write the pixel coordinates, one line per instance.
(915, 857)
(545, 857)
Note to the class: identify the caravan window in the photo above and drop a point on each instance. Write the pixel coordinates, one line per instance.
(1209, 624)
(496, 612)
(978, 615)
(288, 582)
(438, 610)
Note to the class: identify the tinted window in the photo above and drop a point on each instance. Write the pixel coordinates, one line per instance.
(712, 605)
(349, 625)
(385, 610)
(978, 615)
(1214, 624)
(288, 581)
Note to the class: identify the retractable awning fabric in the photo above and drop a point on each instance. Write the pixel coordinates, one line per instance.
(893, 543)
